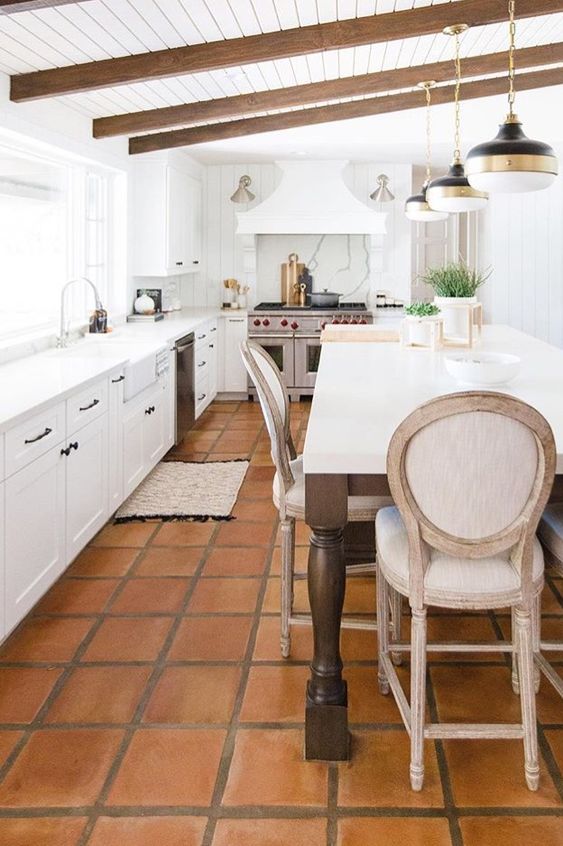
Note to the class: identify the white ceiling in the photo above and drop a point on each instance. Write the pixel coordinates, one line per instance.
(101, 29)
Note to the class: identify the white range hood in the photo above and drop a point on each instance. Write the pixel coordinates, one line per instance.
(311, 199)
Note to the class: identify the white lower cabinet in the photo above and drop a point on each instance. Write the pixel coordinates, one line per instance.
(35, 532)
(146, 434)
(115, 451)
(235, 379)
(87, 488)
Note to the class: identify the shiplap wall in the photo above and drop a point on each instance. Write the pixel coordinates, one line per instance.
(522, 238)
(223, 249)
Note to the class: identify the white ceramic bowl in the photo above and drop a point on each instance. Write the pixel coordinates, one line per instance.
(485, 369)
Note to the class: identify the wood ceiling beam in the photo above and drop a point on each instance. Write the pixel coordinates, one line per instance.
(317, 92)
(371, 29)
(339, 111)
(10, 7)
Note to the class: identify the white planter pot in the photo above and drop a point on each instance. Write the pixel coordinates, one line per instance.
(455, 318)
(418, 330)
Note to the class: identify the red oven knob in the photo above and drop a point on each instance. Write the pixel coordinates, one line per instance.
(284, 322)
(353, 321)
(344, 320)
(265, 322)
(295, 325)
(362, 321)
(323, 324)
(335, 320)
(256, 321)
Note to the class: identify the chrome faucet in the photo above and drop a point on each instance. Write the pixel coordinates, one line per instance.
(62, 338)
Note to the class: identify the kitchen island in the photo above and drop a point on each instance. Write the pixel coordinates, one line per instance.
(363, 392)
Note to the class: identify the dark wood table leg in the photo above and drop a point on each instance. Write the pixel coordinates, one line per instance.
(326, 714)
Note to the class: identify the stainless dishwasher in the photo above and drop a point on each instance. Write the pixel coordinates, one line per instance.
(185, 396)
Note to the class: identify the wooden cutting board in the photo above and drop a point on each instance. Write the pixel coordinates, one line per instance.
(290, 272)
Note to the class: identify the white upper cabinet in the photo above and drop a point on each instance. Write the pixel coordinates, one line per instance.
(167, 220)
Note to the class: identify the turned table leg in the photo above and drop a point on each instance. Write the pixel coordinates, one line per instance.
(326, 715)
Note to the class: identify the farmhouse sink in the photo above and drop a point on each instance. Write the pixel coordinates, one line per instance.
(139, 369)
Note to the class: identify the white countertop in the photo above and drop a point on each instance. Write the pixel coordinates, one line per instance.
(364, 390)
(29, 384)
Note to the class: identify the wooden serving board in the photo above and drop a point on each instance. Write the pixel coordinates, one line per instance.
(290, 273)
(361, 334)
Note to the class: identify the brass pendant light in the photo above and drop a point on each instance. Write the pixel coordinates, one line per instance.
(511, 162)
(452, 192)
(417, 207)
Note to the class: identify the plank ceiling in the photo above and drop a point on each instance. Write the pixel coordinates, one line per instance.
(103, 29)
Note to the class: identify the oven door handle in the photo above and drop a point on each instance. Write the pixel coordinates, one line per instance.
(273, 337)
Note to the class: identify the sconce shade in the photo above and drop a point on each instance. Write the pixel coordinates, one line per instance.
(382, 194)
(242, 194)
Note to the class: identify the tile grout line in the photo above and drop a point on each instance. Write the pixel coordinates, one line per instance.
(229, 744)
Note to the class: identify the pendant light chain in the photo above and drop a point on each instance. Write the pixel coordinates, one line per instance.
(428, 132)
(457, 151)
(511, 52)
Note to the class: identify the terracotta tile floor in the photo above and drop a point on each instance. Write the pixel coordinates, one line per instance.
(144, 701)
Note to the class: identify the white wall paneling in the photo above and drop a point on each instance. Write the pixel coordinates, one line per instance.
(522, 242)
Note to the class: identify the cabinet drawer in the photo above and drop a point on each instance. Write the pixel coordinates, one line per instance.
(86, 406)
(201, 363)
(202, 398)
(32, 438)
(201, 334)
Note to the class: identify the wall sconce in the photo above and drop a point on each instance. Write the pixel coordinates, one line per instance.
(242, 194)
(382, 194)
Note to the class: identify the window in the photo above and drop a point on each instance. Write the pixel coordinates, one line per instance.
(54, 226)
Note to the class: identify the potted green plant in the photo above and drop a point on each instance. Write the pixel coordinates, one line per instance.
(419, 316)
(454, 284)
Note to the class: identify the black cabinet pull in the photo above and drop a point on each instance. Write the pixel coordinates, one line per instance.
(201, 337)
(202, 397)
(179, 263)
(195, 261)
(214, 329)
(202, 364)
(69, 448)
(119, 379)
(211, 346)
(88, 407)
(39, 437)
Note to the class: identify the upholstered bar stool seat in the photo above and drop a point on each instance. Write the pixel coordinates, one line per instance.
(447, 576)
(550, 532)
(360, 508)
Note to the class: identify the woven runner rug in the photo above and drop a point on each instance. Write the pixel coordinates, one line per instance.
(179, 490)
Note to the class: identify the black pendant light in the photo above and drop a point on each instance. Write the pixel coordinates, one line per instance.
(452, 192)
(417, 207)
(511, 162)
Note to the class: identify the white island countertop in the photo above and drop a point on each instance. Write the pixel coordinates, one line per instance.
(30, 384)
(364, 390)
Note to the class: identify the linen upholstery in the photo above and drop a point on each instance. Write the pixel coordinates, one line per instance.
(447, 574)
(471, 474)
(295, 495)
(550, 531)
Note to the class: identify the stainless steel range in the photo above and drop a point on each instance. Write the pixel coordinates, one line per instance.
(291, 335)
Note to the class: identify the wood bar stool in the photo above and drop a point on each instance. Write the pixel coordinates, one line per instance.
(471, 474)
(289, 492)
